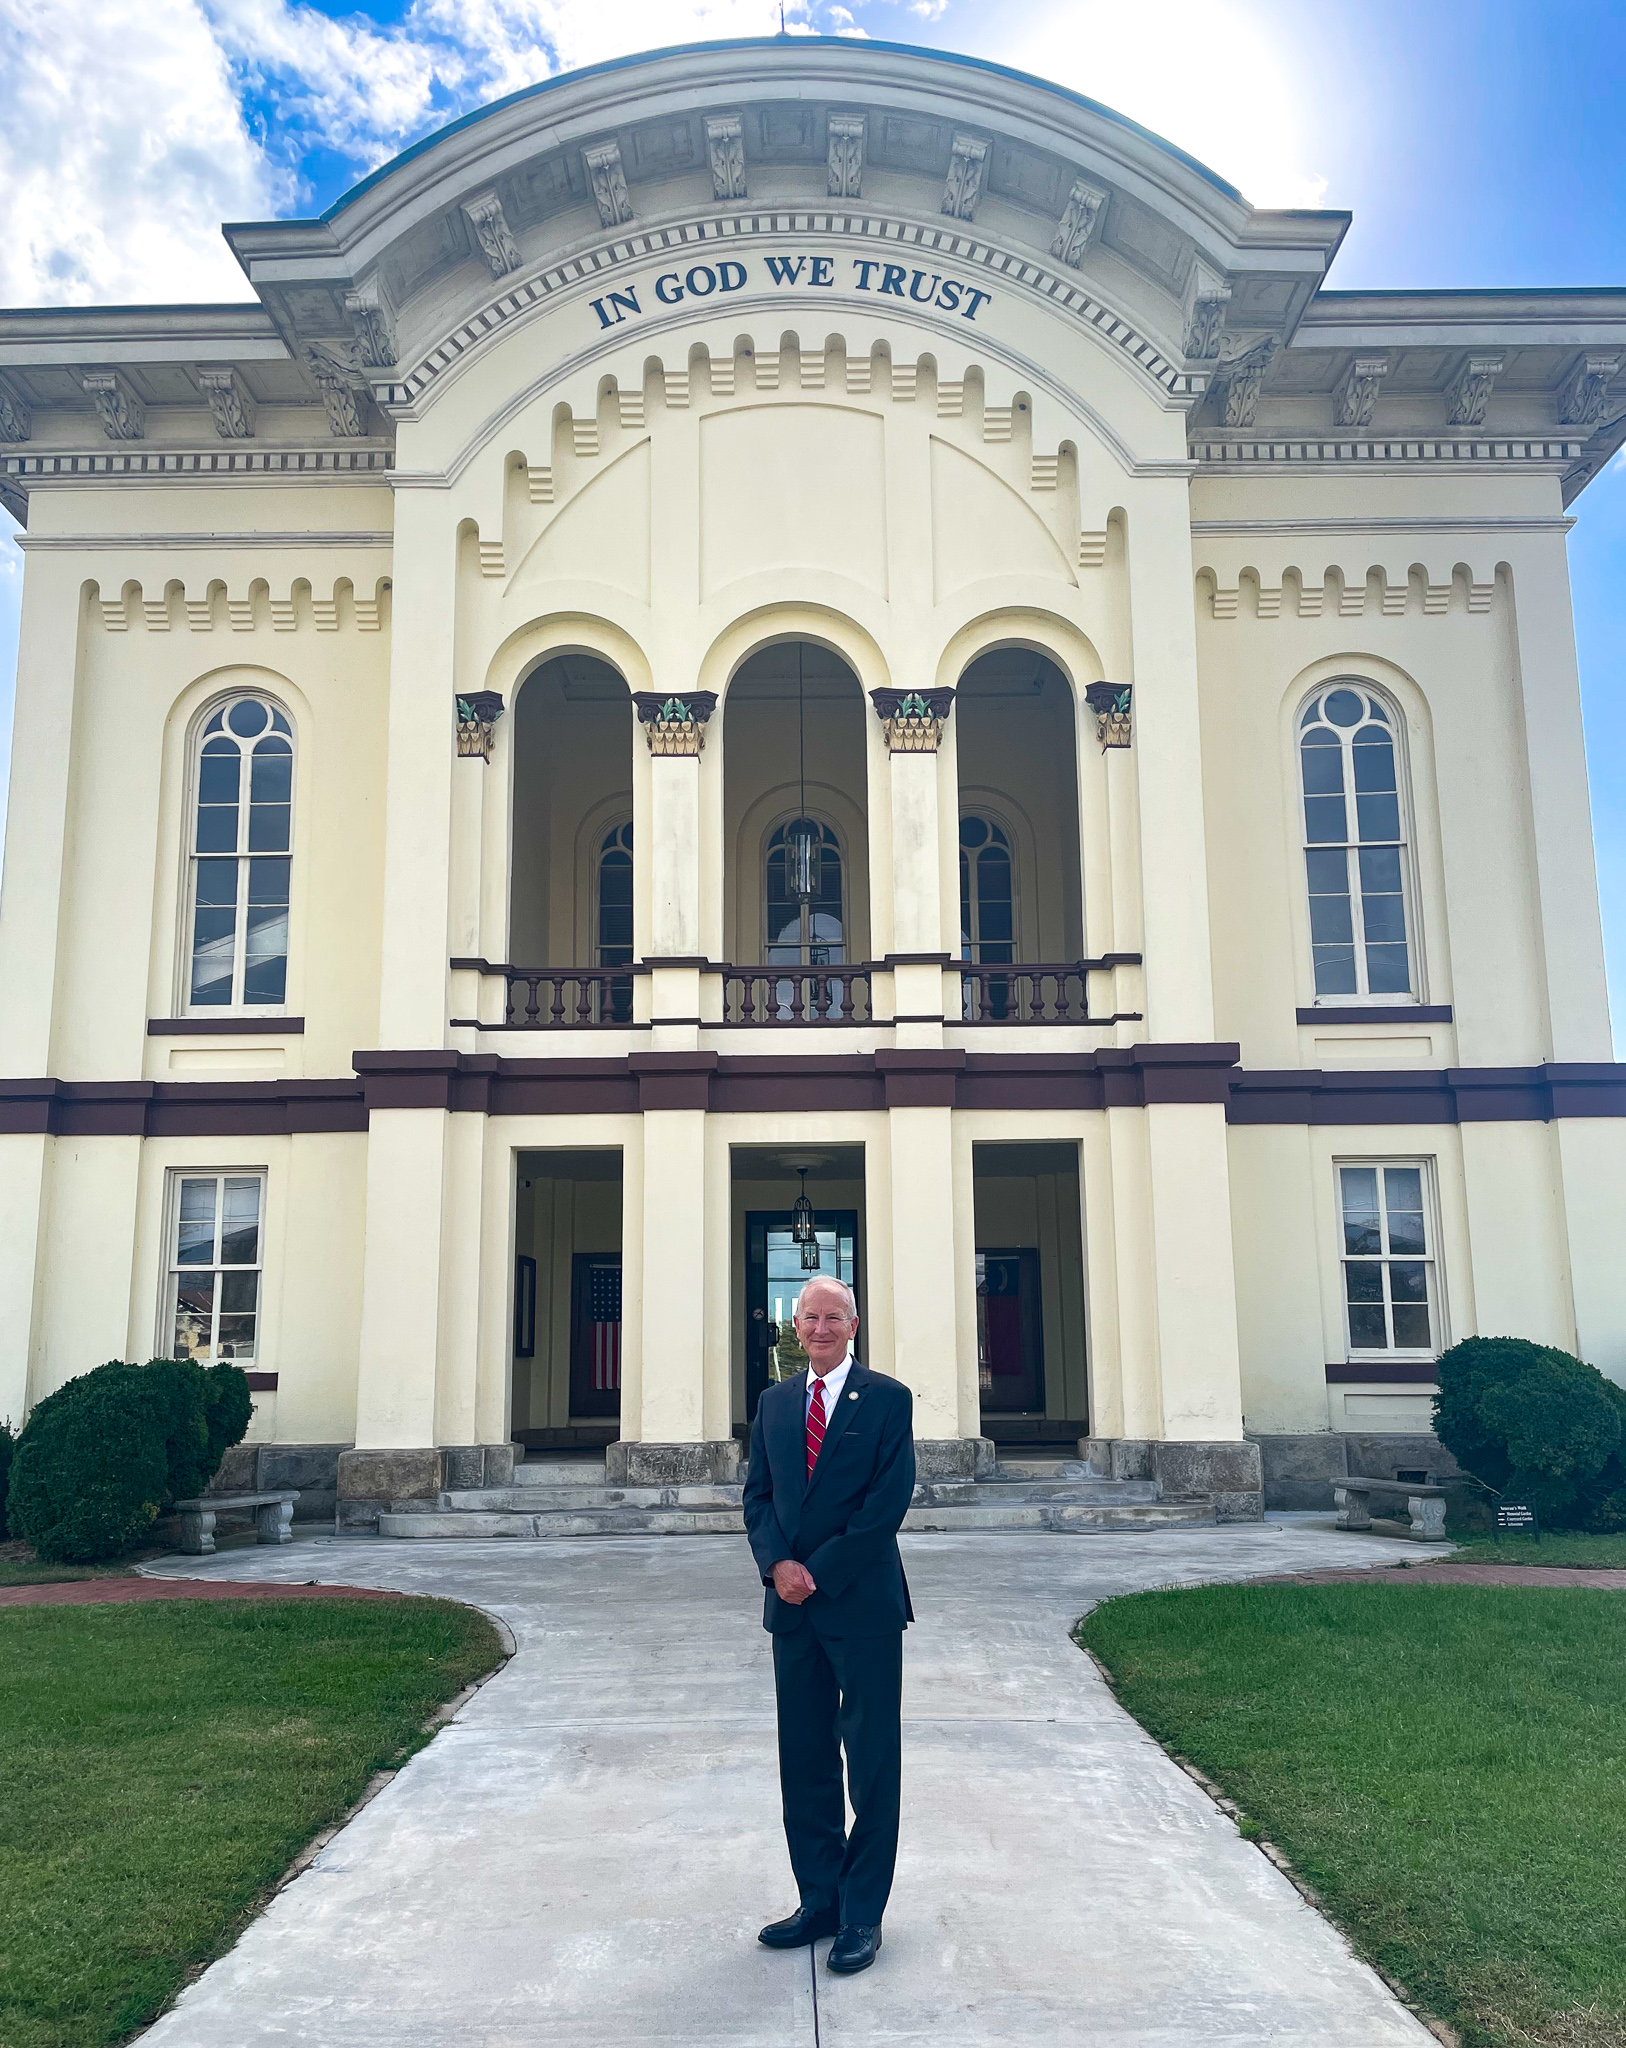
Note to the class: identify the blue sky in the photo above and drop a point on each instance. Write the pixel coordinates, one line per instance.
(1475, 143)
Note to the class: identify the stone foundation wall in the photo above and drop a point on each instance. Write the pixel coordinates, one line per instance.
(1300, 1472)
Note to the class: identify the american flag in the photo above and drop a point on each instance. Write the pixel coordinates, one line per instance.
(604, 1314)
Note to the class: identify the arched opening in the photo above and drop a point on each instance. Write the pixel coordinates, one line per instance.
(571, 896)
(796, 879)
(1021, 881)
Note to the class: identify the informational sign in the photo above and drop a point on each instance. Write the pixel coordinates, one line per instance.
(1516, 1518)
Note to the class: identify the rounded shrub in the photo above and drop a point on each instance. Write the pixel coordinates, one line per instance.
(106, 1454)
(1532, 1420)
(90, 1470)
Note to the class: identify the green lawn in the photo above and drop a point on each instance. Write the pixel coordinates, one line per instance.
(165, 1763)
(1444, 1764)
(1561, 1547)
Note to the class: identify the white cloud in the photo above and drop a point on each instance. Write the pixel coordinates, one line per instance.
(122, 148)
(1207, 76)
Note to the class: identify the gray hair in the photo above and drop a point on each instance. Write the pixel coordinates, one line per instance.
(830, 1280)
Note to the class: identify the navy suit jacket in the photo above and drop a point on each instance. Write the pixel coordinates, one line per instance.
(843, 1522)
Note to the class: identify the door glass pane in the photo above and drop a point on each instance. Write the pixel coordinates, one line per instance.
(786, 1279)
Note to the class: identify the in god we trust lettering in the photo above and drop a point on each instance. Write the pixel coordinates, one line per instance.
(870, 274)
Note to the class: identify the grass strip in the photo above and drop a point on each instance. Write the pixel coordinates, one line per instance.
(1441, 1763)
(1562, 1546)
(165, 1763)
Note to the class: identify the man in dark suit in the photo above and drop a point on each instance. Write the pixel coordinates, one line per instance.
(832, 1474)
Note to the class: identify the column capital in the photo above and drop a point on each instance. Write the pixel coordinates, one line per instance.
(477, 715)
(1111, 703)
(912, 720)
(676, 723)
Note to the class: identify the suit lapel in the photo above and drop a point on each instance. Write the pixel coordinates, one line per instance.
(846, 1408)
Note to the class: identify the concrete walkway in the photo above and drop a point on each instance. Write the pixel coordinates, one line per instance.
(583, 1857)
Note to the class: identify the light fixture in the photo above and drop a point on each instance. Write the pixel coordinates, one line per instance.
(803, 1229)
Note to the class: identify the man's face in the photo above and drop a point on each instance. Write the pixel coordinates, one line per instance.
(824, 1324)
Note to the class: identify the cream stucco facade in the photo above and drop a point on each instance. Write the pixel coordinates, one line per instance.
(566, 499)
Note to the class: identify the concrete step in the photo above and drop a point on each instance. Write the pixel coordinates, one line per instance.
(584, 1471)
(578, 1499)
(1029, 1492)
(468, 1522)
(1084, 1517)
(1039, 1465)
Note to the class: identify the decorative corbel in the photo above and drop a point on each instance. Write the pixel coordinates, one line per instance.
(16, 421)
(374, 329)
(123, 414)
(340, 393)
(609, 182)
(490, 224)
(962, 188)
(1469, 392)
(845, 141)
(725, 146)
(477, 716)
(1077, 224)
(1206, 300)
(675, 724)
(230, 406)
(1111, 704)
(1240, 380)
(1358, 394)
(912, 721)
(1585, 394)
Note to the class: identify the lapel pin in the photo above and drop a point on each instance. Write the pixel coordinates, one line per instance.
(852, 1397)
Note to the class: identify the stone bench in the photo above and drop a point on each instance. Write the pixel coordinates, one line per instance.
(1425, 1505)
(273, 1518)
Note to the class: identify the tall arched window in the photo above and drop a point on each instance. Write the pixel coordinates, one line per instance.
(614, 936)
(987, 900)
(804, 931)
(242, 837)
(1354, 844)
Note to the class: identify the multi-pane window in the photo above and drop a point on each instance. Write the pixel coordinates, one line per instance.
(1391, 1299)
(216, 1250)
(1355, 845)
(615, 898)
(804, 932)
(241, 838)
(987, 909)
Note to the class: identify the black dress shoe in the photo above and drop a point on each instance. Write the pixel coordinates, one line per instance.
(805, 1926)
(854, 1949)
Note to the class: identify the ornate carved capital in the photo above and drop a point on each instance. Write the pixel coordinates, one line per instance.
(912, 721)
(675, 724)
(373, 326)
(490, 224)
(123, 415)
(230, 406)
(1470, 390)
(1111, 704)
(16, 422)
(725, 146)
(341, 394)
(1358, 394)
(477, 716)
(962, 188)
(846, 147)
(609, 182)
(1585, 395)
(1077, 224)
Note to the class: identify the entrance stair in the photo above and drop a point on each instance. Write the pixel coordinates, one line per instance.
(570, 1496)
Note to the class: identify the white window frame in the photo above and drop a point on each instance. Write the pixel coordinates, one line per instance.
(991, 818)
(1432, 1259)
(1410, 895)
(173, 1272)
(190, 857)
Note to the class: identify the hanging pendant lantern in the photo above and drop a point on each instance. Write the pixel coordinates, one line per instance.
(803, 1229)
(804, 843)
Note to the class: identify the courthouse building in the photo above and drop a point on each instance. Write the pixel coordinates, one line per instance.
(804, 655)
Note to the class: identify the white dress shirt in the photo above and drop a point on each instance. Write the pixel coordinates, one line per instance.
(834, 1381)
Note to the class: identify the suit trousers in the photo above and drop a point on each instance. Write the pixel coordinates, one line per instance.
(835, 1693)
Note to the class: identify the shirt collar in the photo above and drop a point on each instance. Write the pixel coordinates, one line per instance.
(834, 1379)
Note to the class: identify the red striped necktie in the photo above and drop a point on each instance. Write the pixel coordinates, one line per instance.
(815, 1425)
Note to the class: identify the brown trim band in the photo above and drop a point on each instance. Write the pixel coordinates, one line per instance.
(746, 1084)
(1369, 1372)
(225, 1027)
(1396, 1013)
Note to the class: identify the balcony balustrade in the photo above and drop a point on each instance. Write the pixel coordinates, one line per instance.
(601, 998)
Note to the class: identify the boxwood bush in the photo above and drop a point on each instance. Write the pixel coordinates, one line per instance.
(1530, 1420)
(110, 1451)
(8, 1443)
